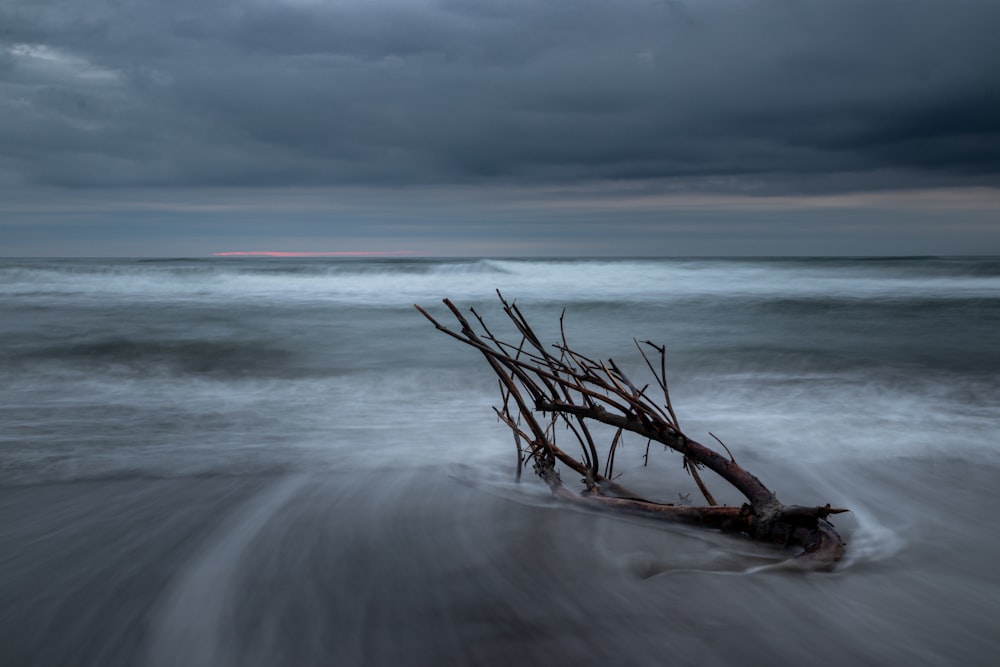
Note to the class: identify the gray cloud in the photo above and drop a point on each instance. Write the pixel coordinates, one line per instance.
(764, 96)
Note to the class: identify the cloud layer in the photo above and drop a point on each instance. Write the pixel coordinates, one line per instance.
(735, 96)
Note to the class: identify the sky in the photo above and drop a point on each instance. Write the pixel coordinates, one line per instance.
(499, 127)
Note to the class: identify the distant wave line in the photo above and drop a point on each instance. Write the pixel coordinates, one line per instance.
(341, 253)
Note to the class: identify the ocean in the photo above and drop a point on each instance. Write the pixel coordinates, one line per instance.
(244, 461)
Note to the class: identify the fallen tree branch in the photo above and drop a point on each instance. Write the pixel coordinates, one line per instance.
(576, 391)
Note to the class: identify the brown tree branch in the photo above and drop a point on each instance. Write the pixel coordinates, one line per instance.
(576, 390)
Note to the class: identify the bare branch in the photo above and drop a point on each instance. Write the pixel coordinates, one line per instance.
(574, 389)
(731, 457)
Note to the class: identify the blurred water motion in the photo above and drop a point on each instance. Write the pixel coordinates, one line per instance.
(278, 462)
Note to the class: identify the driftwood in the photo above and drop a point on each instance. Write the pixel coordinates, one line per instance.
(543, 387)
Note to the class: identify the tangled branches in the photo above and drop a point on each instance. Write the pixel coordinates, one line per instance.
(543, 387)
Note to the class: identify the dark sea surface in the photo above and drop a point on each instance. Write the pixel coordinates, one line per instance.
(278, 462)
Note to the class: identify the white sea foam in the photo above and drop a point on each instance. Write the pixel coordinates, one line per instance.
(204, 366)
(566, 281)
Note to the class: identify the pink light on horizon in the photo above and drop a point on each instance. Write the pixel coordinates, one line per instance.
(341, 253)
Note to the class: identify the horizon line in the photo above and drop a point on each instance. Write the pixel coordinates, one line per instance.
(337, 253)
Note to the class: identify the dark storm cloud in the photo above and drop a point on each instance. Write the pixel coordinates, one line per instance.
(750, 95)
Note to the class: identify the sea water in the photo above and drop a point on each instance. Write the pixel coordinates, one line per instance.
(280, 462)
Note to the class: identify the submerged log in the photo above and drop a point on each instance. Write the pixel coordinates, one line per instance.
(559, 386)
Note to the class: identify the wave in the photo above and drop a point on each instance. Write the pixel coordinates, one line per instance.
(402, 281)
